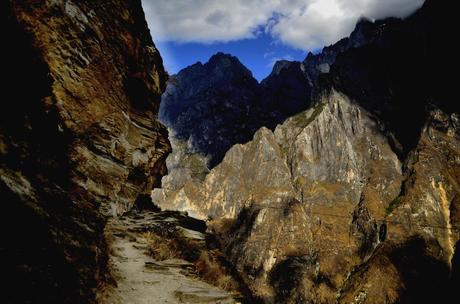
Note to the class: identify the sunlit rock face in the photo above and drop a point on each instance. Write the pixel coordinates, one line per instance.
(78, 139)
(218, 104)
(353, 200)
(269, 198)
(422, 226)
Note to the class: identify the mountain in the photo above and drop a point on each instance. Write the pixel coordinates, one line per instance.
(285, 92)
(215, 105)
(202, 101)
(334, 180)
(78, 140)
(355, 199)
(218, 104)
(399, 76)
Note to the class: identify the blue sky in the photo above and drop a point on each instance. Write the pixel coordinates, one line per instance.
(258, 54)
(258, 32)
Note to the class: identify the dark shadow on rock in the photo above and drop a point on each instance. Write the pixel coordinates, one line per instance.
(287, 277)
(33, 265)
(455, 274)
(51, 248)
(425, 278)
(144, 202)
(399, 76)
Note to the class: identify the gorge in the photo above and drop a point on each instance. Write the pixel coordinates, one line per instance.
(333, 180)
(331, 205)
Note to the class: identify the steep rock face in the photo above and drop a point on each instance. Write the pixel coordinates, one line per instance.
(422, 226)
(79, 139)
(183, 166)
(350, 224)
(330, 159)
(397, 75)
(209, 108)
(285, 92)
(218, 104)
(204, 99)
(226, 188)
(355, 199)
(364, 33)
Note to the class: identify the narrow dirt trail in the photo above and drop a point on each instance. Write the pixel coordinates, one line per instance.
(142, 280)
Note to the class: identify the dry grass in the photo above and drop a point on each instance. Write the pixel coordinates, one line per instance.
(207, 263)
(162, 248)
(209, 268)
(222, 226)
(302, 121)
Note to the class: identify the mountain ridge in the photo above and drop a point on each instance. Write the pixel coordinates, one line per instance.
(286, 91)
(362, 185)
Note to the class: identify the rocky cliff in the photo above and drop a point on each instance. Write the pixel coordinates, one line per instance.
(202, 100)
(218, 104)
(79, 139)
(355, 199)
(215, 105)
(329, 160)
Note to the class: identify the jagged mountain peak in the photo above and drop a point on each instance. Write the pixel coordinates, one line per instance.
(363, 30)
(202, 100)
(228, 67)
(218, 104)
(224, 60)
(223, 56)
(362, 184)
(221, 68)
(281, 65)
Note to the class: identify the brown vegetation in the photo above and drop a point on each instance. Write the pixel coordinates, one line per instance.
(207, 263)
(210, 269)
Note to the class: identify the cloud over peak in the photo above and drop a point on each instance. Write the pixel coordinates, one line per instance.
(302, 24)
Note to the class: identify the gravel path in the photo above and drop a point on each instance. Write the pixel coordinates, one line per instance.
(142, 280)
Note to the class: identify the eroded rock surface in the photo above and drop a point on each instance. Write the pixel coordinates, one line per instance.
(78, 139)
(355, 199)
(217, 104)
(322, 208)
(280, 188)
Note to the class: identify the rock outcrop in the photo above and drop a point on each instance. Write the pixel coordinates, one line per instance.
(422, 226)
(79, 139)
(355, 199)
(329, 160)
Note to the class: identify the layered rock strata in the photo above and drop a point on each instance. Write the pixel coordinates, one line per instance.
(78, 140)
(355, 199)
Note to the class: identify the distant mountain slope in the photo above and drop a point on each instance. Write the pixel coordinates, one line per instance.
(212, 105)
(356, 199)
(218, 104)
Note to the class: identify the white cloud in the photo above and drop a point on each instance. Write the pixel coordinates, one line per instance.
(324, 22)
(303, 24)
(207, 20)
(273, 60)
